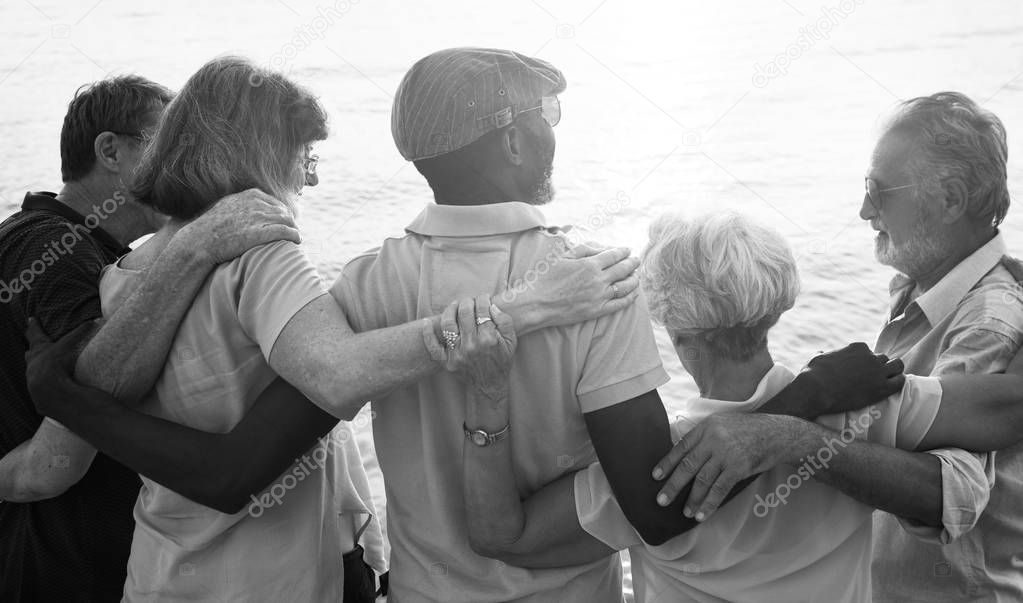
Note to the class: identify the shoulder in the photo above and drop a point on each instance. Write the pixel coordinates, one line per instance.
(996, 302)
(31, 236)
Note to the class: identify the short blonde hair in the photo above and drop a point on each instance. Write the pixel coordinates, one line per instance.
(720, 277)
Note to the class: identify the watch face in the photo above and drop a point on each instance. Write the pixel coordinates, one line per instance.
(479, 438)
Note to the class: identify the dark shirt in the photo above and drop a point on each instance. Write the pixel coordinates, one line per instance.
(73, 547)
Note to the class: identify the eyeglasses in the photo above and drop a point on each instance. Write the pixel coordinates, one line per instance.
(874, 193)
(309, 163)
(550, 110)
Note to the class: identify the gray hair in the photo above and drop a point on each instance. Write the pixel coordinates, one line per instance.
(720, 277)
(958, 139)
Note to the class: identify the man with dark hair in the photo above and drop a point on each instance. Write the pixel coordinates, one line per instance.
(65, 519)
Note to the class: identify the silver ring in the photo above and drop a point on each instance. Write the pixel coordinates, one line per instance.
(482, 320)
(450, 339)
(614, 291)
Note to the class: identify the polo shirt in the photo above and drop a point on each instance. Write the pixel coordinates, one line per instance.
(449, 253)
(72, 547)
(970, 322)
(786, 537)
(286, 545)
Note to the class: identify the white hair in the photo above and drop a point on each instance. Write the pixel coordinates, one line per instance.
(720, 277)
(957, 138)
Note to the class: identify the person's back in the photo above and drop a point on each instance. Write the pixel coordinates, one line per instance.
(46, 541)
(65, 528)
(453, 252)
(217, 367)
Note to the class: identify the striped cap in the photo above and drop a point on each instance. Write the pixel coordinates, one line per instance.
(452, 97)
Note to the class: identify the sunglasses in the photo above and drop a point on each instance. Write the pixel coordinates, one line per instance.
(874, 193)
(550, 110)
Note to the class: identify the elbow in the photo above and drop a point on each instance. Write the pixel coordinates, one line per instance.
(488, 545)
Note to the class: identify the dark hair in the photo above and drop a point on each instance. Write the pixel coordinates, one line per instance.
(232, 127)
(117, 104)
(461, 174)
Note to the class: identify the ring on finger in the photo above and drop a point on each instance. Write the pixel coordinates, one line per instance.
(450, 339)
(482, 320)
(614, 291)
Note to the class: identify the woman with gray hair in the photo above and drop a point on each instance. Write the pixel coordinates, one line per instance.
(717, 283)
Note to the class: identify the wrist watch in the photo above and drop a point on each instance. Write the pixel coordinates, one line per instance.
(482, 438)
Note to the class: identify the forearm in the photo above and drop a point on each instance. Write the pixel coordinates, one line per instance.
(540, 532)
(220, 471)
(42, 468)
(978, 412)
(127, 354)
(907, 484)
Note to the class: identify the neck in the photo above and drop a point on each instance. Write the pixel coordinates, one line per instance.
(732, 380)
(969, 243)
(126, 223)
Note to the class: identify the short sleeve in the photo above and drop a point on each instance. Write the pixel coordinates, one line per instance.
(598, 510)
(906, 417)
(275, 282)
(622, 361)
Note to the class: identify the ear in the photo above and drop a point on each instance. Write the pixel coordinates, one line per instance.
(957, 200)
(107, 148)
(512, 145)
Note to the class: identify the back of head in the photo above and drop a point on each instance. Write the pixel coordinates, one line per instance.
(957, 138)
(720, 277)
(233, 126)
(121, 104)
(453, 103)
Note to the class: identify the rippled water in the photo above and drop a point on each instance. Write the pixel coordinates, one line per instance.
(682, 106)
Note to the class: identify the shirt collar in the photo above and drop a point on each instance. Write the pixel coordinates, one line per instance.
(47, 201)
(941, 299)
(776, 379)
(476, 220)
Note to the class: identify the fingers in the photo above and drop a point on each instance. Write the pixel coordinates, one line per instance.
(610, 257)
(614, 305)
(433, 346)
(503, 322)
(280, 232)
(702, 484)
(894, 367)
(715, 496)
(690, 465)
(882, 358)
(626, 286)
(64, 350)
(449, 318)
(583, 250)
(622, 271)
(483, 311)
(466, 318)
(895, 384)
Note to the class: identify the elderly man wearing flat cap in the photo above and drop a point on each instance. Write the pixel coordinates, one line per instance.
(478, 125)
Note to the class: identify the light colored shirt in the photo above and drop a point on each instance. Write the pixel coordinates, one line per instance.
(558, 374)
(287, 544)
(970, 322)
(786, 538)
